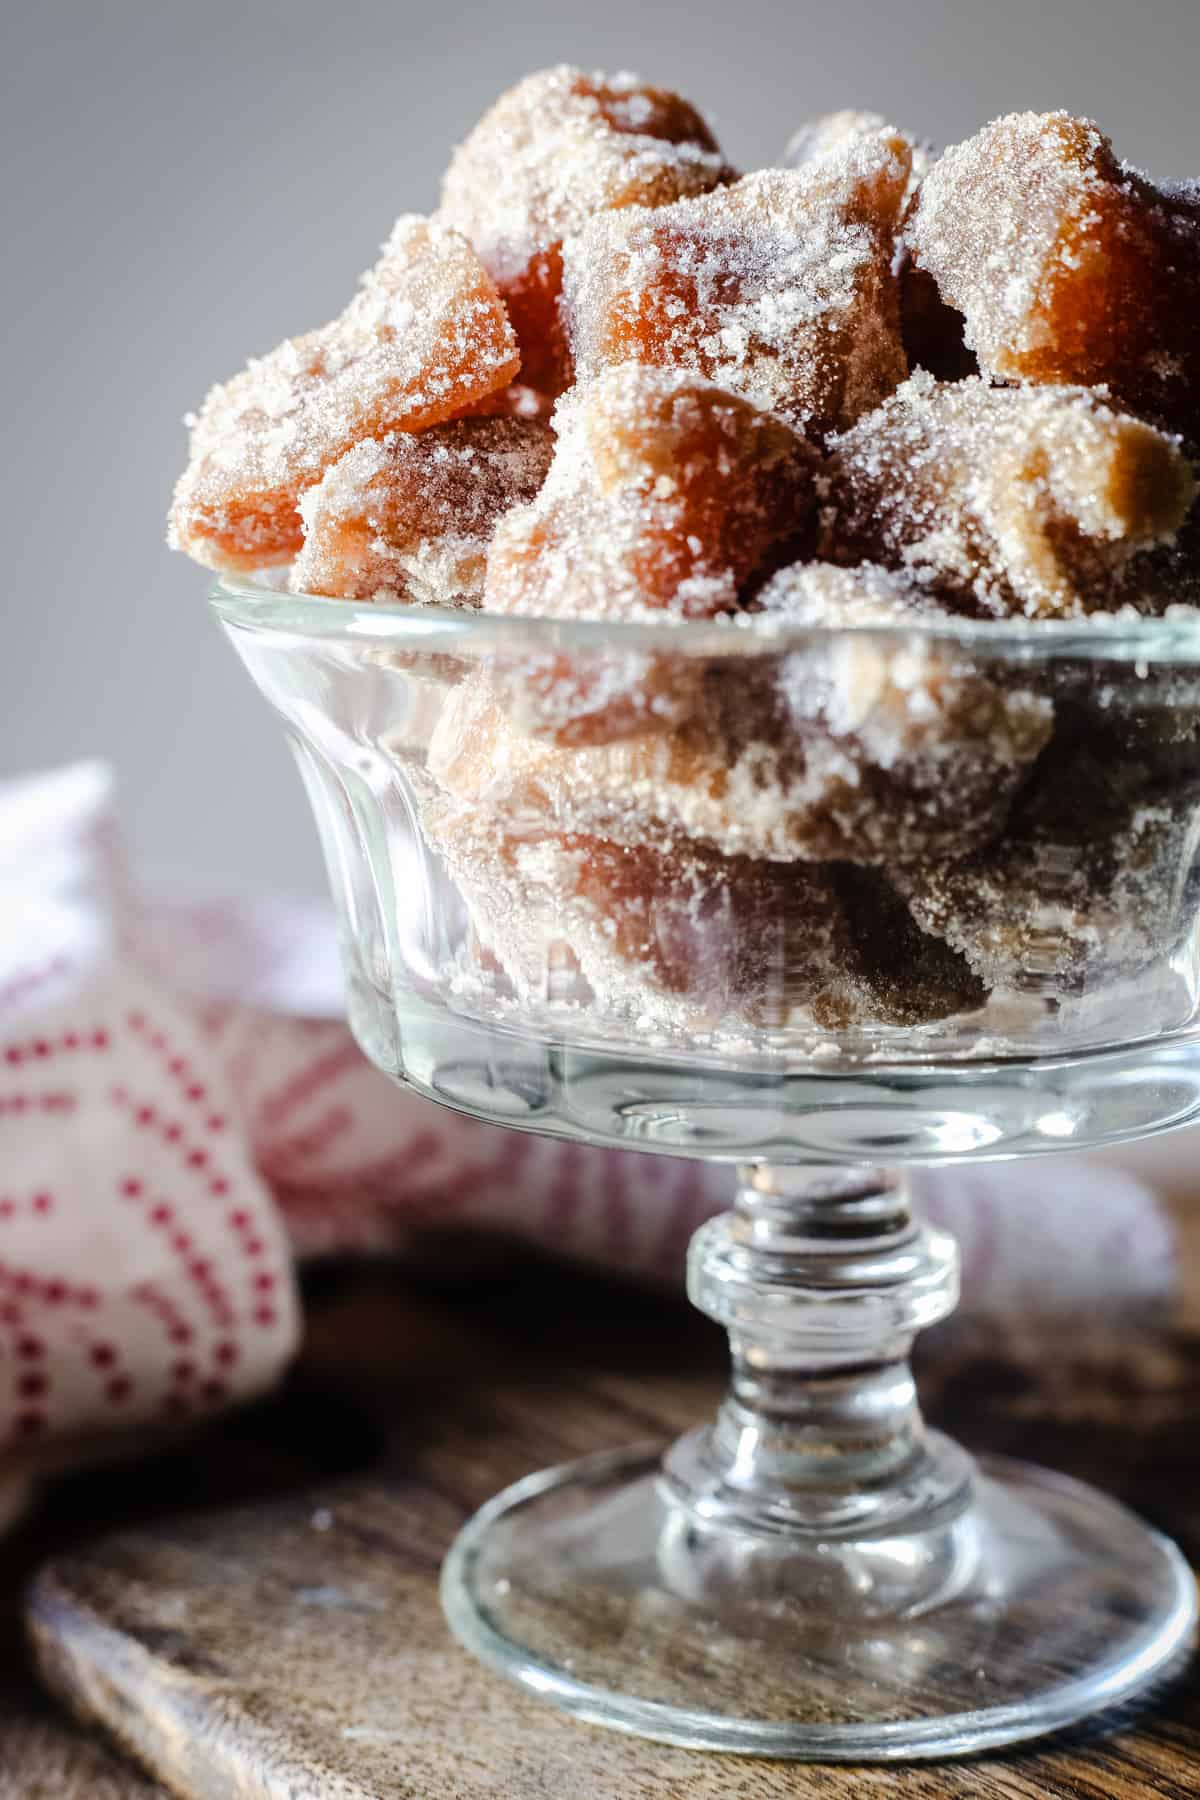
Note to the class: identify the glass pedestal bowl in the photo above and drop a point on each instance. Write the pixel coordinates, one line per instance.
(822, 904)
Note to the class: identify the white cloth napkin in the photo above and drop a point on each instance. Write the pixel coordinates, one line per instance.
(183, 1113)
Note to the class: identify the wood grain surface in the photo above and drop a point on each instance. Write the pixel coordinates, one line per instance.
(291, 1643)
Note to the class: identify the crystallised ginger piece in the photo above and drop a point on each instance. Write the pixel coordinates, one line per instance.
(673, 935)
(557, 148)
(1005, 500)
(859, 746)
(665, 495)
(410, 516)
(832, 134)
(779, 288)
(893, 736)
(932, 332)
(1067, 265)
(425, 337)
(829, 134)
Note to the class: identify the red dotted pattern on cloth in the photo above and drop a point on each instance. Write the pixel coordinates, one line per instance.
(219, 1279)
(198, 1158)
(351, 1164)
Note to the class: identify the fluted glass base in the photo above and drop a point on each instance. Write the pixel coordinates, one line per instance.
(1036, 1604)
(815, 1574)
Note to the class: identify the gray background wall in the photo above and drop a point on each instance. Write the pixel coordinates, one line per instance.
(186, 183)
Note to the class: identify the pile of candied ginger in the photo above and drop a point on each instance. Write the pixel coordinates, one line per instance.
(609, 377)
(612, 379)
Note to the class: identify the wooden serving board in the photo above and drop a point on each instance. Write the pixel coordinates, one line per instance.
(292, 1645)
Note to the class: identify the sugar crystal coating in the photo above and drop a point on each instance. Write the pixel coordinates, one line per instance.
(1006, 500)
(829, 133)
(1067, 265)
(425, 337)
(851, 747)
(410, 516)
(779, 288)
(557, 148)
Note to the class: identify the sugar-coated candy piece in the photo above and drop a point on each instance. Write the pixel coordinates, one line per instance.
(425, 337)
(832, 134)
(932, 332)
(557, 148)
(1006, 500)
(410, 516)
(675, 935)
(829, 134)
(599, 695)
(532, 299)
(889, 736)
(1067, 265)
(859, 746)
(779, 287)
(665, 495)
(1086, 885)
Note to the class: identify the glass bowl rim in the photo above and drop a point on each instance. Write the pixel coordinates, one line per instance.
(252, 604)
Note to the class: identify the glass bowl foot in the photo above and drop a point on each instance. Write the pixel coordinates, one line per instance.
(1032, 1604)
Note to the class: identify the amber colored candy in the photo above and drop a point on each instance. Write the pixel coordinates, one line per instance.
(410, 516)
(860, 745)
(674, 935)
(425, 337)
(666, 498)
(832, 135)
(932, 332)
(779, 288)
(665, 495)
(1006, 500)
(1067, 265)
(557, 148)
